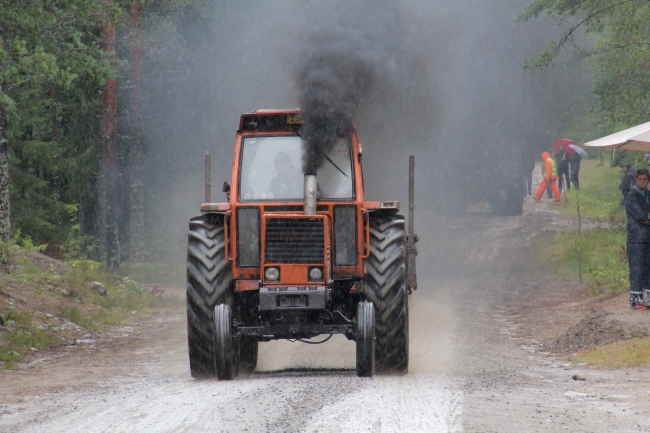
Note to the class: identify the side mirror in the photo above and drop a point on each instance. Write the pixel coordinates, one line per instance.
(226, 187)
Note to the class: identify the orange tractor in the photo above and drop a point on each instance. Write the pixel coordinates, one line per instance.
(294, 256)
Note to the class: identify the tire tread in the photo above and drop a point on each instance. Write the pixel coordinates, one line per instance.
(385, 287)
(209, 282)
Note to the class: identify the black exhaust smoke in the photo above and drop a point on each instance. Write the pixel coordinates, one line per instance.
(350, 48)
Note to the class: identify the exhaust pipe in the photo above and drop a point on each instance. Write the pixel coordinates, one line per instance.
(310, 194)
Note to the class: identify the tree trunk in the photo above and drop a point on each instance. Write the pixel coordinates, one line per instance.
(109, 187)
(136, 154)
(5, 222)
(53, 111)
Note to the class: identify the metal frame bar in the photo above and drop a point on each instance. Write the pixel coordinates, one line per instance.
(411, 238)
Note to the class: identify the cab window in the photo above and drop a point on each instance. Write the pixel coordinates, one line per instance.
(271, 169)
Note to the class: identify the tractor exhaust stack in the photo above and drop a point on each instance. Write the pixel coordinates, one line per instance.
(310, 194)
(208, 177)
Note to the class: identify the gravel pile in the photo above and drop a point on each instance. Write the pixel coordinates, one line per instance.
(596, 329)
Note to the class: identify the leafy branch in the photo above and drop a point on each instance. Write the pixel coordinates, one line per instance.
(547, 57)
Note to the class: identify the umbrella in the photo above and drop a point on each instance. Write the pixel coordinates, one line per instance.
(635, 138)
(562, 142)
(569, 150)
(580, 151)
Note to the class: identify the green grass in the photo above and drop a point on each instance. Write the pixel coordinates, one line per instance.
(599, 196)
(602, 253)
(22, 337)
(92, 321)
(74, 315)
(630, 353)
(601, 250)
(604, 262)
(153, 273)
(90, 310)
(124, 293)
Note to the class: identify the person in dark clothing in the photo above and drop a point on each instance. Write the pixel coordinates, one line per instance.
(288, 182)
(562, 160)
(627, 182)
(637, 208)
(575, 169)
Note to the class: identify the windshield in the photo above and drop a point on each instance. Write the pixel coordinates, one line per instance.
(271, 170)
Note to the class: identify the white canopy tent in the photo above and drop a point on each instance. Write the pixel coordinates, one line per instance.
(635, 138)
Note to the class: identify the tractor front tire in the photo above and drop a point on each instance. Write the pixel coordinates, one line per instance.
(225, 344)
(365, 334)
(385, 287)
(209, 283)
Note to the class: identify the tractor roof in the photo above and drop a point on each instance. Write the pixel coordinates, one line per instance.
(271, 120)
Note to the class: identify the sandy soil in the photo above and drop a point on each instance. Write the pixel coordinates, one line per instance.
(481, 326)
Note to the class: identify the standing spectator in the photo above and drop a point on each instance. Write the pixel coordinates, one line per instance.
(628, 174)
(562, 161)
(550, 178)
(637, 207)
(575, 169)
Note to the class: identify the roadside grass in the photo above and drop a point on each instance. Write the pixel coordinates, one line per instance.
(66, 296)
(28, 272)
(629, 353)
(154, 273)
(22, 334)
(599, 196)
(604, 260)
(124, 294)
(601, 250)
(93, 320)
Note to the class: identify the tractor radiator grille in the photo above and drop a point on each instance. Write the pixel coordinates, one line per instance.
(294, 240)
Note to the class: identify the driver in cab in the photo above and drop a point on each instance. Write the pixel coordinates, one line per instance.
(288, 182)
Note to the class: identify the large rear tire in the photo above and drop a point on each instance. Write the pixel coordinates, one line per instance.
(365, 334)
(209, 282)
(385, 287)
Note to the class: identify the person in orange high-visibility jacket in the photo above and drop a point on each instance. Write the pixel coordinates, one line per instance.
(550, 178)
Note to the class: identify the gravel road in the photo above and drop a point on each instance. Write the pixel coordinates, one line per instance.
(473, 368)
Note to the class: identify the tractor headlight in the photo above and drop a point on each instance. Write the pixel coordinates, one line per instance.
(315, 274)
(272, 274)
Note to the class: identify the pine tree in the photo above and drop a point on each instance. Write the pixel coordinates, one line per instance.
(44, 45)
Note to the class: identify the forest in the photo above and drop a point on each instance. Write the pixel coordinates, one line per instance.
(80, 82)
(86, 86)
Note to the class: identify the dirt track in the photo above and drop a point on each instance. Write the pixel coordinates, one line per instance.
(478, 322)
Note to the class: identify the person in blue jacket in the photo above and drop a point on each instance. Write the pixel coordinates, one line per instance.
(637, 208)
